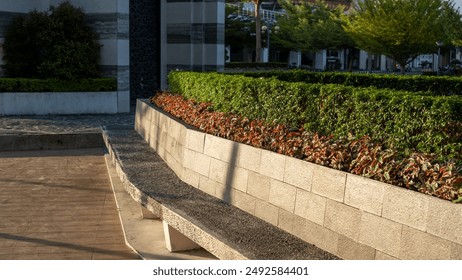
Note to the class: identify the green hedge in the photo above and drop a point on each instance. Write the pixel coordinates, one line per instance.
(431, 84)
(38, 85)
(398, 119)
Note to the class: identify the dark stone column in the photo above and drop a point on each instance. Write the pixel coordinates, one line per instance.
(145, 39)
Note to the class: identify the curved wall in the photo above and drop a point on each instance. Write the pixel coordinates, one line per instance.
(348, 215)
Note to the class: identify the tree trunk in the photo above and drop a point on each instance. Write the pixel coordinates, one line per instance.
(257, 31)
(402, 66)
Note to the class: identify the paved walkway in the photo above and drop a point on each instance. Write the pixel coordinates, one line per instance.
(58, 205)
(53, 206)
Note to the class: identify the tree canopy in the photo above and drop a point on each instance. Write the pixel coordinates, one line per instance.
(402, 29)
(239, 29)
(56, 43)
(312, 26)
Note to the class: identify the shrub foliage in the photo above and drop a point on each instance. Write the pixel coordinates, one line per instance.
(399, 120)
(429, 85)
(362, 156)
(53, 44)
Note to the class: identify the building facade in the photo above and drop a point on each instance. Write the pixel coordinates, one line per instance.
(141, 39)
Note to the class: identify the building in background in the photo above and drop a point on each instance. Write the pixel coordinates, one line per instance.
(143, 40)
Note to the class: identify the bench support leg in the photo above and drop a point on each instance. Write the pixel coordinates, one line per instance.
(176, 241)
(146, 214)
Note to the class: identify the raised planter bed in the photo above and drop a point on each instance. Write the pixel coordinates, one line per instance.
(44, 103)
(348, 215)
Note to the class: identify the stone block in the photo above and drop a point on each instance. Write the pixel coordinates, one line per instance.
(244, 201)
(143, 120)
(174, 164)
(224, 192)
(266, 212)
(169, 144)
(287, 220)
(220, 148)
(298, 173)
(456, 251)
(190, 177)
(444, 219)
(201, 164)
(317, 235)
(162, 141)
(272, 165)
(189, 159)
(155, 117)
(352, 250)
(419, 245)
(138, 114)
(249, 157)
(310, 206)
(208, 186)
(406, 207)
(381, 234)
(282, 195)
(329, 182)
(178, 152)
(195, 140)
(238, 178)
(258, 186)
(364, 193)
(342, 219)
(382, 256)
(218, 171)
(154, 136)
(174, 129)
(163, 121)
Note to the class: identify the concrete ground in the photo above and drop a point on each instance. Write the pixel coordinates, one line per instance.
(58, 204)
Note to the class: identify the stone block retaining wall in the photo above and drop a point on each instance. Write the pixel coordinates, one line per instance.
(348, 215)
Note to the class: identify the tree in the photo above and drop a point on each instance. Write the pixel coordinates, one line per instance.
(257, 6)
(56, 43)
(238, 28)
(312, 26)
(399, 29)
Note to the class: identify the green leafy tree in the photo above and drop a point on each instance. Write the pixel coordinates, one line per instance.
(400, 29)
(312, 26)
(257, 20)
(238, 28)
(53, 44)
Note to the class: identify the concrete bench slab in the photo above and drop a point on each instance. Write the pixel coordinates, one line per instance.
(222, 229)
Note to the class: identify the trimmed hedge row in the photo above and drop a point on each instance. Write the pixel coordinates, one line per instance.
(50, 85)
(432, 85)
(397, 119)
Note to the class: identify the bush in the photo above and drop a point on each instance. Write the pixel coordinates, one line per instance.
(362, 157)
(421, 84)
(49, 85)
(397, 119)
(54, 44)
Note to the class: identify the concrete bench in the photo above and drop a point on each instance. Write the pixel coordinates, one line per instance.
(192, 218)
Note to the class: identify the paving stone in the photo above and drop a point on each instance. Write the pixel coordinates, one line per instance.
(37, 223)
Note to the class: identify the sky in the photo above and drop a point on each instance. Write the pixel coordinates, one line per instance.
(458, 3)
